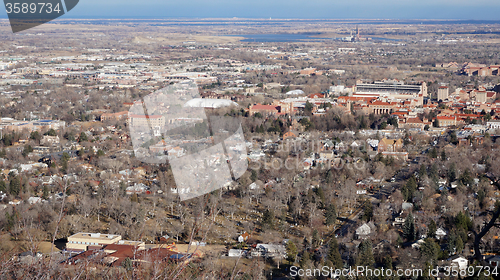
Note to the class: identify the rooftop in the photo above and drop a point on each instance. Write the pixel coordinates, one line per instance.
(209, 103)
(145, 116)
(263, 107)
(95, 236)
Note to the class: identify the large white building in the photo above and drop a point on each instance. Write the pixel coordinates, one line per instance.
(79, 242)
(146, 121)
(391, 90)
(495, 124)
(443, 93)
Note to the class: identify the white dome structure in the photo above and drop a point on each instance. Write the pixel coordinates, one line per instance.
(296, 92)
(209, 103)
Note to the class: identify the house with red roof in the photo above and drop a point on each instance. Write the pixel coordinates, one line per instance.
(264, 110)
(316, 95)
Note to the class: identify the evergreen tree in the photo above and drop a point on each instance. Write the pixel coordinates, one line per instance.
(51, 132)
(365, 254)
(334, 254)
(430, 251)
(368, 211)
(388, 262)
(399, 241)
(422, 171)
(69, 136)
(253, 176)
(65, 156)
(433, 172)
(453, 138)
(15, 186)
(83, 137)
(409, 231)
(3, 187)
(463, 221)
(481, 196)
(27, 149)
(459, 245)
(329, 177)
(291, 252)
(433, 153)
(35, 136)
(321, 194)
(304, 259)
(80, 153)
(451, 242)
(431, 231)
(10, 220)
(315, 238)
(330, 214)
(443, 155)
(452, 172)
(100, 153)
(409, 188)
(64, 162)
(45, 191)
(268, 219)
(466, 178)
(308, 108)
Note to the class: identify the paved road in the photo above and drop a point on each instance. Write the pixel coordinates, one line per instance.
(346, 225)
(349, 222)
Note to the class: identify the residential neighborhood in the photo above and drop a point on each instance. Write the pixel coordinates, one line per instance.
(145, 149)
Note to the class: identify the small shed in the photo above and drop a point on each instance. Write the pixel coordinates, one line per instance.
(235, 253)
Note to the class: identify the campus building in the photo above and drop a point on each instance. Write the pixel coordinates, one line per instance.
(390, 89)
(146, 121)
(79, 242)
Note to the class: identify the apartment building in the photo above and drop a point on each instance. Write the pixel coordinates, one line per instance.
(390, 145)
(494, 124)
(114, 116)
(146, 121)
(492, 70)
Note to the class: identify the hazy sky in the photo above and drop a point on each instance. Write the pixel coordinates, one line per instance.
(332, 9)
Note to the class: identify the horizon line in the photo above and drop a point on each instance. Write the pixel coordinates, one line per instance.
(267, 19)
